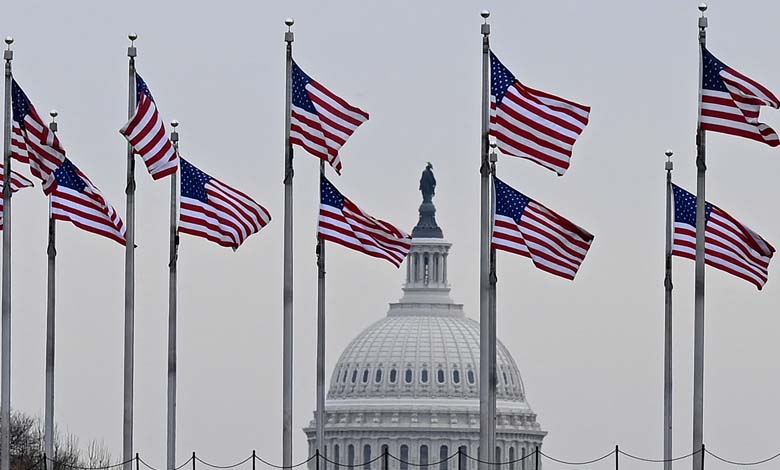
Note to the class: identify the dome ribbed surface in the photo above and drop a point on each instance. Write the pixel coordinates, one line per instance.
(439, 353)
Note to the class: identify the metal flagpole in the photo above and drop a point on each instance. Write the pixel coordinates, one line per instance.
(129, 353)
(320, 418)
(493, 280)
(5, 368)
(287, 295)
(51, 252)
(668, 318)
(486, 425)
(172, 307)
(698, 339)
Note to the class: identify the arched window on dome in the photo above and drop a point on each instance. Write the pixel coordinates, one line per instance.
(404, 463)
(346, 374)
(444, 452)
(470, 375)
(366, 457)
(365, 376)
(354, 376)
(351, 456)
(378, 376)
(462, 457)
(511, 458)
(456, 376)
(423, 455)
(336, 456)
(409, 376)
(506, 381)
(440, 376)
(424, 376)
(393, 376)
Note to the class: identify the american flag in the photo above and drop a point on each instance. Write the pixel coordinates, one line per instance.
(525, 227)
(730, 102)
(146, 133)
(17, 182)
(75, 199)
(343, 222)
(213, 210)
(321, 122)
(73, 196)
(532, 124)
(32, 141)
(728, 245)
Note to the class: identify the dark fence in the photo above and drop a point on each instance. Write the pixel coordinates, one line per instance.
(456, 461)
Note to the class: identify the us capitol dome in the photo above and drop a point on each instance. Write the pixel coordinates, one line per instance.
(409, 383)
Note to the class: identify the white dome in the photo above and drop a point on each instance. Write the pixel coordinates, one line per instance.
(420, 354)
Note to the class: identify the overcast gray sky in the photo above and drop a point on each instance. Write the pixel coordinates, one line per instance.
(590, 351)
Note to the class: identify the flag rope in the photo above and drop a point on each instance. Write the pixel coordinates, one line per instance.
(255, 458)
(742, 464)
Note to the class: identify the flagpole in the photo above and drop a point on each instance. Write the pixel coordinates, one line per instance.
(698, 341)
(287, 328)
(5, 387)
(129, 347)
(493, 280)
(172, 307)
(486, 424)
(320, 418)
(51, 252)
(668, 318)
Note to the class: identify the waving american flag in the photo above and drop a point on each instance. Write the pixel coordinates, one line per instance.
(75, 199)
(728, 244)
(73, 196)
(17, 182)
(212, 210)
(527, 228)
(321, 122)
(532, 124)
(32, 141)
(146, 133)
(343, 222)
(730, 102)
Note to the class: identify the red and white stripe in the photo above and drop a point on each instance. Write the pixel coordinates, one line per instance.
(88, 210)
(17, 182)
(324, 133)
(728, 246)
(538, 126)
(228, 218)
(146, 133)
(736, 112)
(355, 229)
(554, 244)
(33, 143)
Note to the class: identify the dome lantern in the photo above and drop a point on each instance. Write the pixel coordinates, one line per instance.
(426, 265)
